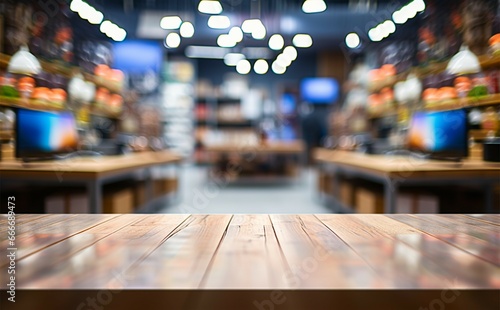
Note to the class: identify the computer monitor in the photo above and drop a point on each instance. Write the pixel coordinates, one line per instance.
(319, 90)
(440, 134)
(43, 134)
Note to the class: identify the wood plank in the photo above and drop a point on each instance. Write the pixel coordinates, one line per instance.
(490, 218)
(96, 259)
(182, 259)
(392, 260)
(474, 246)
(21, 219)
(471, 223)
(440, 258)
(249, 241)
(317, 258)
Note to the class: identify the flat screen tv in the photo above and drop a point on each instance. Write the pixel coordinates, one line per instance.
(319, 90)
(43, 134)
(442, 135)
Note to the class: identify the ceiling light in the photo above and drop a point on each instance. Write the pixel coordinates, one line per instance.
(106, 26)
(170, 22)
(76, 5)
(313, 6)
(173, 40)
(250, 25)
(211, 52)
(187, 30)
(85, 10)
(302, 40)
(375, 35)
(259, 32)
(276, 42)
(210, 7)
(417, 5)
(232, 59)
(389, 26)
(225, 40)
(352, 40)
(290, 52)
(260, 66)
(236, 34)
(219, 22)
(399, 17)
(119, 35)
(277, 68)
(96, 18)
(283, 60)
(243, 66)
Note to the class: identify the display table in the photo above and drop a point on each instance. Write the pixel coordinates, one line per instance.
(91, 172)
(256, 251)
(269, 161)
(396, 171)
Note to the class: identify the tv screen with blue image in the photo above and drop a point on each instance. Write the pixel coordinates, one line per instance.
(439, 133)
(320, 90)
(42, 133)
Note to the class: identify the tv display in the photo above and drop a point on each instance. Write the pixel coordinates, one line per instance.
(319, 90)
(41, 134)
(440, 134)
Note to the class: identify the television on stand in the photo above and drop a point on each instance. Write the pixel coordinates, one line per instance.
(440, 135)
(42, 135)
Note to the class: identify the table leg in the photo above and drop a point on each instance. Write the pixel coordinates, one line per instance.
(488, 197)
(390, 194)
(94, 188)
(149, 185)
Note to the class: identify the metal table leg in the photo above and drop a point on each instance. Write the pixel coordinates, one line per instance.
(488, 198)
(390, 194)
(94, 188)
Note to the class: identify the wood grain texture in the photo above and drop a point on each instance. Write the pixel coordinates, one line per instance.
(257, 251)
(86, 167)
(407, 167)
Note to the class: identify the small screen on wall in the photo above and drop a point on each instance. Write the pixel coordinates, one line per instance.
(319, 90)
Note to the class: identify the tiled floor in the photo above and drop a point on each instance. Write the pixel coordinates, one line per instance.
(202, 194)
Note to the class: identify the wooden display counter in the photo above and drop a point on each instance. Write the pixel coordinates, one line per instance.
(91, 172)
(269, 161)
(281, 251)
(396, 171)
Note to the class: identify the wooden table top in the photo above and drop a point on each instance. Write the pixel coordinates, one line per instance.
(256, 251)
(88, 166)
(282, 147)
(407, 166)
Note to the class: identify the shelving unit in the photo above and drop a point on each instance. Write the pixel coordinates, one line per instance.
(44, 106)
(486, 62)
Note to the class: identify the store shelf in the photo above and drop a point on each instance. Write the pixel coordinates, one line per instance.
(234, 122)
(27, 104)
(456, 104)
(486, 62)
(67, 70)
(480, 134)
(37, 105)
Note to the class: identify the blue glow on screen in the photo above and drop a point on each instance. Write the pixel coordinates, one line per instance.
(320, 90)
(45, 132)
(439, 132)
(136, 56)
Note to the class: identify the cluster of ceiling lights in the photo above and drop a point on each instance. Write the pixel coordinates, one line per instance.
(173, 39)
(225, 41)
(388, 27)
(95, 17)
